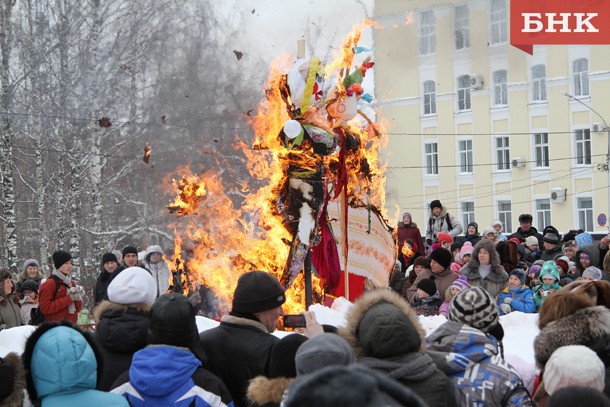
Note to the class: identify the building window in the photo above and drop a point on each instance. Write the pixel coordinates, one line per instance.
(502, 154)
(461, 23)
(429, 97)
(585, 214)
(543, 213)
(538, 82)
(581, 78)
(463, 85)
(498, 21)
(467, 213)
(431, 156)
(427, 37)
(500, 92)
(541, 149)
(465, 148)
(505, 216)
(582, 138)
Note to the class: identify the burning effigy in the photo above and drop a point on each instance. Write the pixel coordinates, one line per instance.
(316, 153)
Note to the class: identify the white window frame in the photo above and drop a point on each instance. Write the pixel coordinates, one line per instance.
(467, 214)
(427, 34)
(500, 93)
(505, 215)
(541, 150)
(431, 157)
(543, 214)
(465, 156)
(585, 214)
(499, 22)
(461, 24)
(539, 83)
(580, 74)
(502, 153)
(463, 93)
(582, 143)
(429, 98)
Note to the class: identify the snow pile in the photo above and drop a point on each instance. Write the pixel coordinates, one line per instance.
(13, 340)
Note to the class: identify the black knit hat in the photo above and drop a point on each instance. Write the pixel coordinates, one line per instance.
(442, 256)
(257, 291)
(282, 356)
(172, 322)
(428, 286)
(30, 285)
(129, 249)
(436, 204)
(109, 257)
(422, 261)
(60, 258)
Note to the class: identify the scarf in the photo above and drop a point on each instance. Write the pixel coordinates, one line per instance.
(414, 367)
(67, 280)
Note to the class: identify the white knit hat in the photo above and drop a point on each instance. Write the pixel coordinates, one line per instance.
(134, 285)
(531, 240)
(573, 365)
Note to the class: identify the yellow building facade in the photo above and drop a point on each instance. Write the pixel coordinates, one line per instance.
(486, 128)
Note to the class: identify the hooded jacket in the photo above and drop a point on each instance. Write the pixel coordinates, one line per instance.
(160, 270)
(410, 231)
(496, 280)
(10, 310)
(62, 365)
(522, 299)
(385, 334)
(472, 360)
(437, 224)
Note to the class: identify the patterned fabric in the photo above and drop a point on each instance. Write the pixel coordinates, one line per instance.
(474, 307)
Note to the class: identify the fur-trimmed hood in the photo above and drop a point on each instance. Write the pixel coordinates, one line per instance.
(264, 391)
(15, 398)
(584, 327)
(493, 254)
(354, 330)
(24, 276)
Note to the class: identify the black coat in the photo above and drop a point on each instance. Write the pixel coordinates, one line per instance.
(121, 331)
(103, 281)
(238, 350)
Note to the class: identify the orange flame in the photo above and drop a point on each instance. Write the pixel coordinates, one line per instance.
(407, 250)
(192, 191)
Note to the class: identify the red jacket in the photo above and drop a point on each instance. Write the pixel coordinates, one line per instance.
(57, 309)
(411, 232)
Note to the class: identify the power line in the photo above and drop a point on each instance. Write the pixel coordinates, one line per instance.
(498, 134)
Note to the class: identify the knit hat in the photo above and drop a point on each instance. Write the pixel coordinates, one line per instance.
(461, 283)
(563, 264)
(466, 249)
(489, 230)
(474, 307)
(129, 249)
(436, 204)
(407, 214)
(515, 239)
(584, 255)
(109, 257)
(172, 322)
(427, 285)
(550, 268)
(520, 273)
(134, 285)
(535, 268)
(592, 272)
(323, 350)
(551, 237)
(525, 217)
(583, 239)
(475, 225)
(257, 291)
(282, 356)
(573, 365)
(497, 222)
(31, 285)
(422, 261)
(531, 241)
(30, 262)
(444, 238)
(60, 258)
(441, 256)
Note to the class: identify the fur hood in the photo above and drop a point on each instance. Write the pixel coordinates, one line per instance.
(363, 305)
(262, 390)
(108, 307)
(24, 276)
(15, 398)
(493, 254)
(584, 327)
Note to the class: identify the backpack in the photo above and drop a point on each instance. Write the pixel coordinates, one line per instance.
(36, 316)
(447, 218)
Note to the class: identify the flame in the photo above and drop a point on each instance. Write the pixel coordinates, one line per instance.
(191, 192)
(407, 250)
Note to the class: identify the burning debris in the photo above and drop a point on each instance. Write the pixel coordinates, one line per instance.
(191, 191)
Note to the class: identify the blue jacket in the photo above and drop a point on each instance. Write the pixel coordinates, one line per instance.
(162, 376)
(523, 299)
(64, 371)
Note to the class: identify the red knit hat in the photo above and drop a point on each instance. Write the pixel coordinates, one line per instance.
(444, 238)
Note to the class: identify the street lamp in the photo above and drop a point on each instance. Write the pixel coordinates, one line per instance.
(607, 130)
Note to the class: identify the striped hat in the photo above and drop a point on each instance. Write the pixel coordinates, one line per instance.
(474, 307)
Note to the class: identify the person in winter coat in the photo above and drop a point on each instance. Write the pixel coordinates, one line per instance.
(122, 321)
(327, 349)
(490, 234)
(497, 226)
(428, 298)
(585, 257)
(154, 262)
(109, 271)
(532, 252)
(526, 229)
(458, 285)
(472, 233)
(420, 265)
(463, 258)
(440, 261)
(29, 294)
(552, 246)
(386, 336)
(64, 302)
(407, 229)
(10, 312)
(12, 380)
(549, 278)
(169, 372)
(516, 296)
(62, 364)
(467, 348)
(31, 271)
(441, 221)
(484, 269)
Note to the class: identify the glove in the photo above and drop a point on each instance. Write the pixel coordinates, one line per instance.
(505, 308)
(507, 300)
(74, 294)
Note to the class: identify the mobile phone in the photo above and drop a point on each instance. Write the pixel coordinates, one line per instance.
(294, 321)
